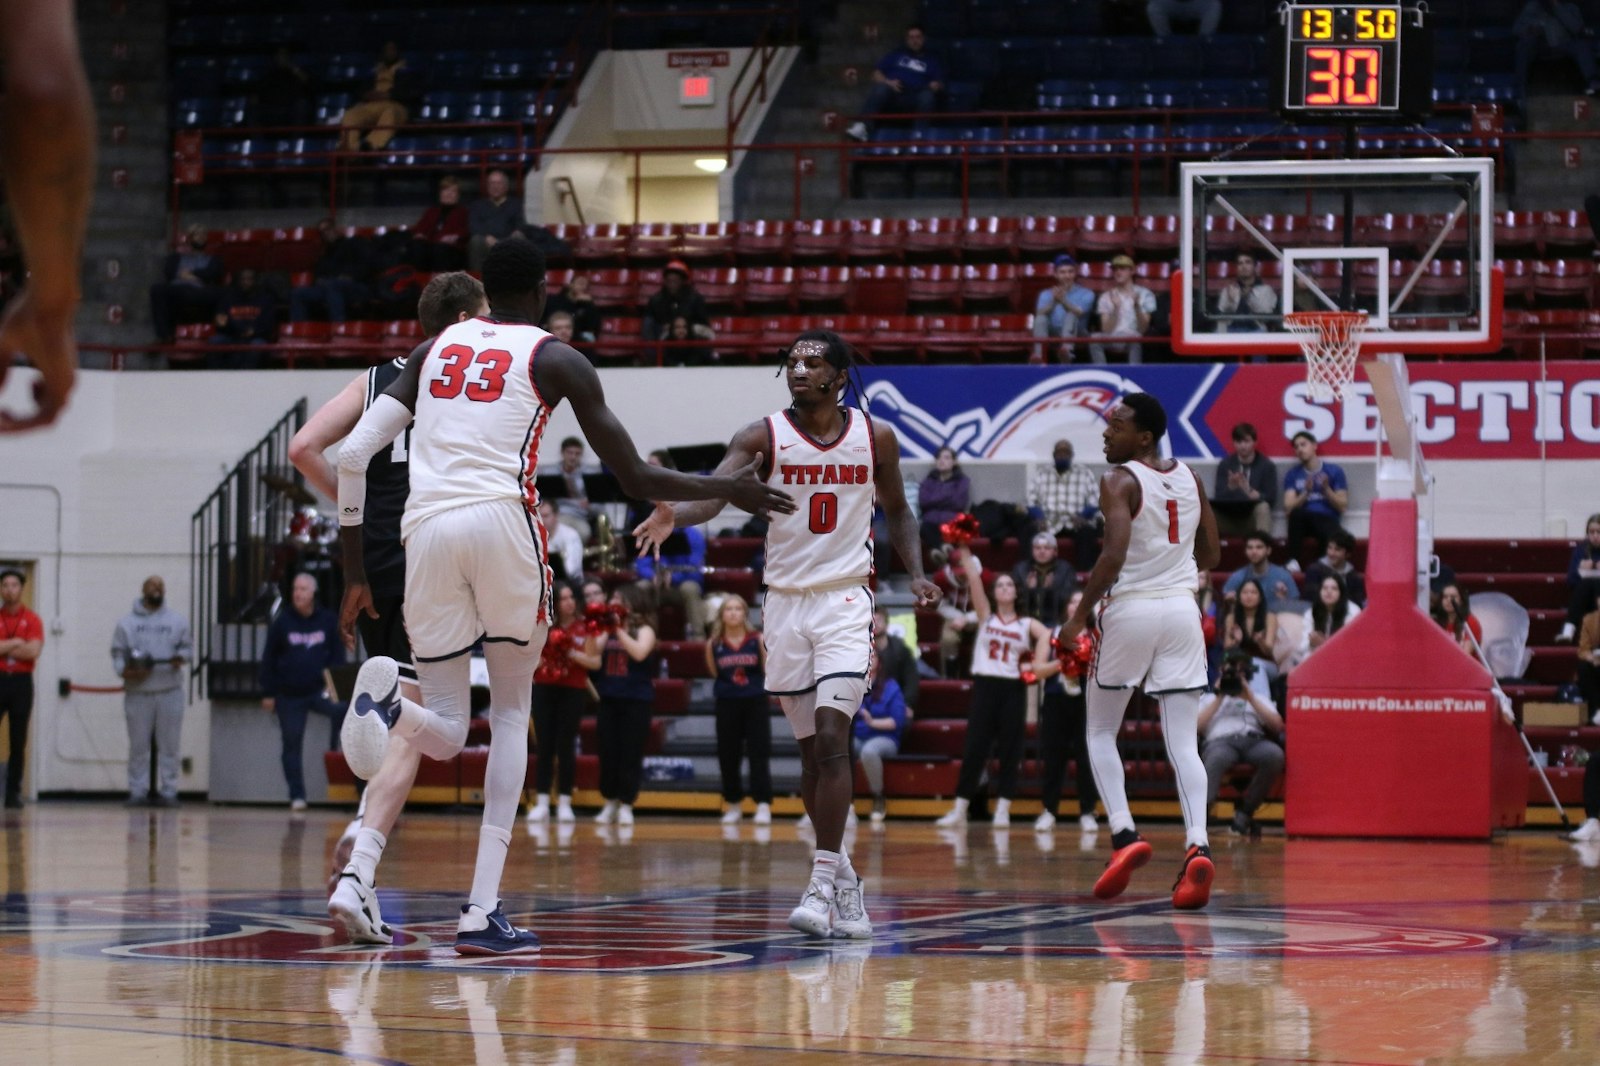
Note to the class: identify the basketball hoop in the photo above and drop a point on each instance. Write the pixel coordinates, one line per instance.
(1331, 340)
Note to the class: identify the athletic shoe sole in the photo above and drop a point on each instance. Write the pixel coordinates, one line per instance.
(358, 924)
(1193, 889)
(364, 737)
(1120, 869)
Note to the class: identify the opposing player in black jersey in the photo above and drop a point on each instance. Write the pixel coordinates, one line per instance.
(448, 299)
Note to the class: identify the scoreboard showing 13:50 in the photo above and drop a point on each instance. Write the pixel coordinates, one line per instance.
(1355, 61)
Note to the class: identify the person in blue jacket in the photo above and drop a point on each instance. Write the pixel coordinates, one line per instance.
(878, 726)
(907, 80)
(302, 645)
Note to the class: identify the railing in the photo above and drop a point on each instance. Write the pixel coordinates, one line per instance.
(762, 54)
(239, 552)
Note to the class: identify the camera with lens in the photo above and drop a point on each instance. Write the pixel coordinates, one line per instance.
(1237, 670)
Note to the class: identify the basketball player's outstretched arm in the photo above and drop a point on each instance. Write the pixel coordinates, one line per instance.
(745, 447)
(1119, 498)
(563, 373)
(891, 489)
(332, 423)
(47, 163)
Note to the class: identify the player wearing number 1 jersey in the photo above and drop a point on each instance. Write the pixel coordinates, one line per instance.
(476, 555)
(818, 610)
(1159, 534)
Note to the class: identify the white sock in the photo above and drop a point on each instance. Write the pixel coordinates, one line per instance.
(825, 867)
(366, 853)
(1106, 706)
(1180, 717)
(845, 873)
(493, 843)
(542, 803)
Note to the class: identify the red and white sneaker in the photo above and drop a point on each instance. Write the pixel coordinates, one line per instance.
(1192, 889)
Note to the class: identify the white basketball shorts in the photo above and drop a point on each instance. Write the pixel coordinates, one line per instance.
(1153, 643)
(819, 651)
(475, 571)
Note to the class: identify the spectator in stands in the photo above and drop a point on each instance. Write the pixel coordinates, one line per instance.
(1455, 615)
(373, 121)
(1062, 311)
(1246, 488)
(1207, 14)
(560, 690)
(495, 217)
(1554, 26)
(1315, 494)
(574, 502)
(559, 323)
(1241, 724)
(906, 80)
(736, 658)
(439, 237)
(1331, 610)
(191, 282)
(576, 300)
(1589, 662)
(1279, 583)
(303, 645)
(566, 547)
(900, 660)
(880, 723)
(343, 275)
(1336, 561)
(281, 99)
(1062, 736)
(943, 494)
(1583, 578)
(246, 314)
(678, 576)
(1250, 626)
(683, 351)
(1124, 310)
(1064, 499)
(626, 683)
(676, 297)
(1044, 581)
(1246, 294)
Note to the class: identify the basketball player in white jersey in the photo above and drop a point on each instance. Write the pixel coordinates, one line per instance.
(1159, 534)
(449, 298)
(818, 610)
(476, 555)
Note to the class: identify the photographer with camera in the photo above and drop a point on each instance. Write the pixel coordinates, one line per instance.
(1240, 724)
(148, 650)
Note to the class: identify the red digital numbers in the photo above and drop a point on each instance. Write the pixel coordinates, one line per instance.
(487, 384)
(824, 512)
(1347, 77)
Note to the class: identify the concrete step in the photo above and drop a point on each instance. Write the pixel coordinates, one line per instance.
(1549, 114)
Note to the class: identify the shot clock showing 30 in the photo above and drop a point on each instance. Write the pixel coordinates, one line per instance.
(1355, 61)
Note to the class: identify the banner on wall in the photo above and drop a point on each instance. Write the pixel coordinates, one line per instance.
(1466, 410)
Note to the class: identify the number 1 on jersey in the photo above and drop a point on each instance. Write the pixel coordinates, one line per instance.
(1172, 522)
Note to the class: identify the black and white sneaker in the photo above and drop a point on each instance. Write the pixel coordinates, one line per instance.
(497, 936)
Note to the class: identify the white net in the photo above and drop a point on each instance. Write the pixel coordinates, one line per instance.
(1331, 341)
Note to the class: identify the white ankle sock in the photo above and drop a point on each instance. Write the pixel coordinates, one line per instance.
(365, 854)
(825, 867)
(845, 872)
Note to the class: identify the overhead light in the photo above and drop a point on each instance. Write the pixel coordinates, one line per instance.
(712, 166)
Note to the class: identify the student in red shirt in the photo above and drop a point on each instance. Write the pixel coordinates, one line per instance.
(21, 639)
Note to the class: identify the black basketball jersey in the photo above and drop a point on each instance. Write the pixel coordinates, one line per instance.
(388, 484)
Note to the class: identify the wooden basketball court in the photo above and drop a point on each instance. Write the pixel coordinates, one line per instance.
(199, 935)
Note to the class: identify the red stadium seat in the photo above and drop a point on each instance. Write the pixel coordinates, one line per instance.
(989, 238)
(720, 286)
(1156, 237)
(615, 288)
(1516, 234)
(989, 285)
(894, 337)
(1563, 231)
(602, 243)
(953, 337)
(821, 238)
(1047, 236)
(761, 241)
(707, 240)
(932, 238)
(876, 239)
(652, 242)
(769, 286)
(1105, 235)
(937, 283)
(1006, 337)
(878, 289)
(1562, 281)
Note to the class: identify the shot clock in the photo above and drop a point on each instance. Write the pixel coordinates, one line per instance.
(1365, 62)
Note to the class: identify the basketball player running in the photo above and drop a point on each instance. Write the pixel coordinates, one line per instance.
(476, 556)
(818, 609)
(1159, 534)
(447, 299)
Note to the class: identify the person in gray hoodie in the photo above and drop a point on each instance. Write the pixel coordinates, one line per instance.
(149, 648)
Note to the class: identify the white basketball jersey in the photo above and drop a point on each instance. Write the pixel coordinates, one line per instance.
(827, 541)
(999, 646)
(1161, 549)
(479, 419)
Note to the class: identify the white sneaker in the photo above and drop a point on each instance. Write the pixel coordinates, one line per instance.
(540, 811)
(1002, 814)
(850, 921)
(374, 709)
(814, 916)
(1087, 823)
(608, 813)
(625, 815)
(1044, 823)
(1567, 635)
(763, 814)
(1589, 830)
(564, 811)
(953, 817)
(856, 131)
(731, 816)
(297, 806)
(355, 906)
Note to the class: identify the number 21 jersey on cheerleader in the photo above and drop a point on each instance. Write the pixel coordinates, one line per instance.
(827, 541)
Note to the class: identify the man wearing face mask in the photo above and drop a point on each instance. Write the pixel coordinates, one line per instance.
(1063, 499)
(148, 650)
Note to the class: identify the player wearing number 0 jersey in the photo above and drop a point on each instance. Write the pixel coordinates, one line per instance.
(1159, 533)
(475, 552)
(818, 611)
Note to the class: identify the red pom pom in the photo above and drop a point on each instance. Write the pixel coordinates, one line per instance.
(960, 530)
